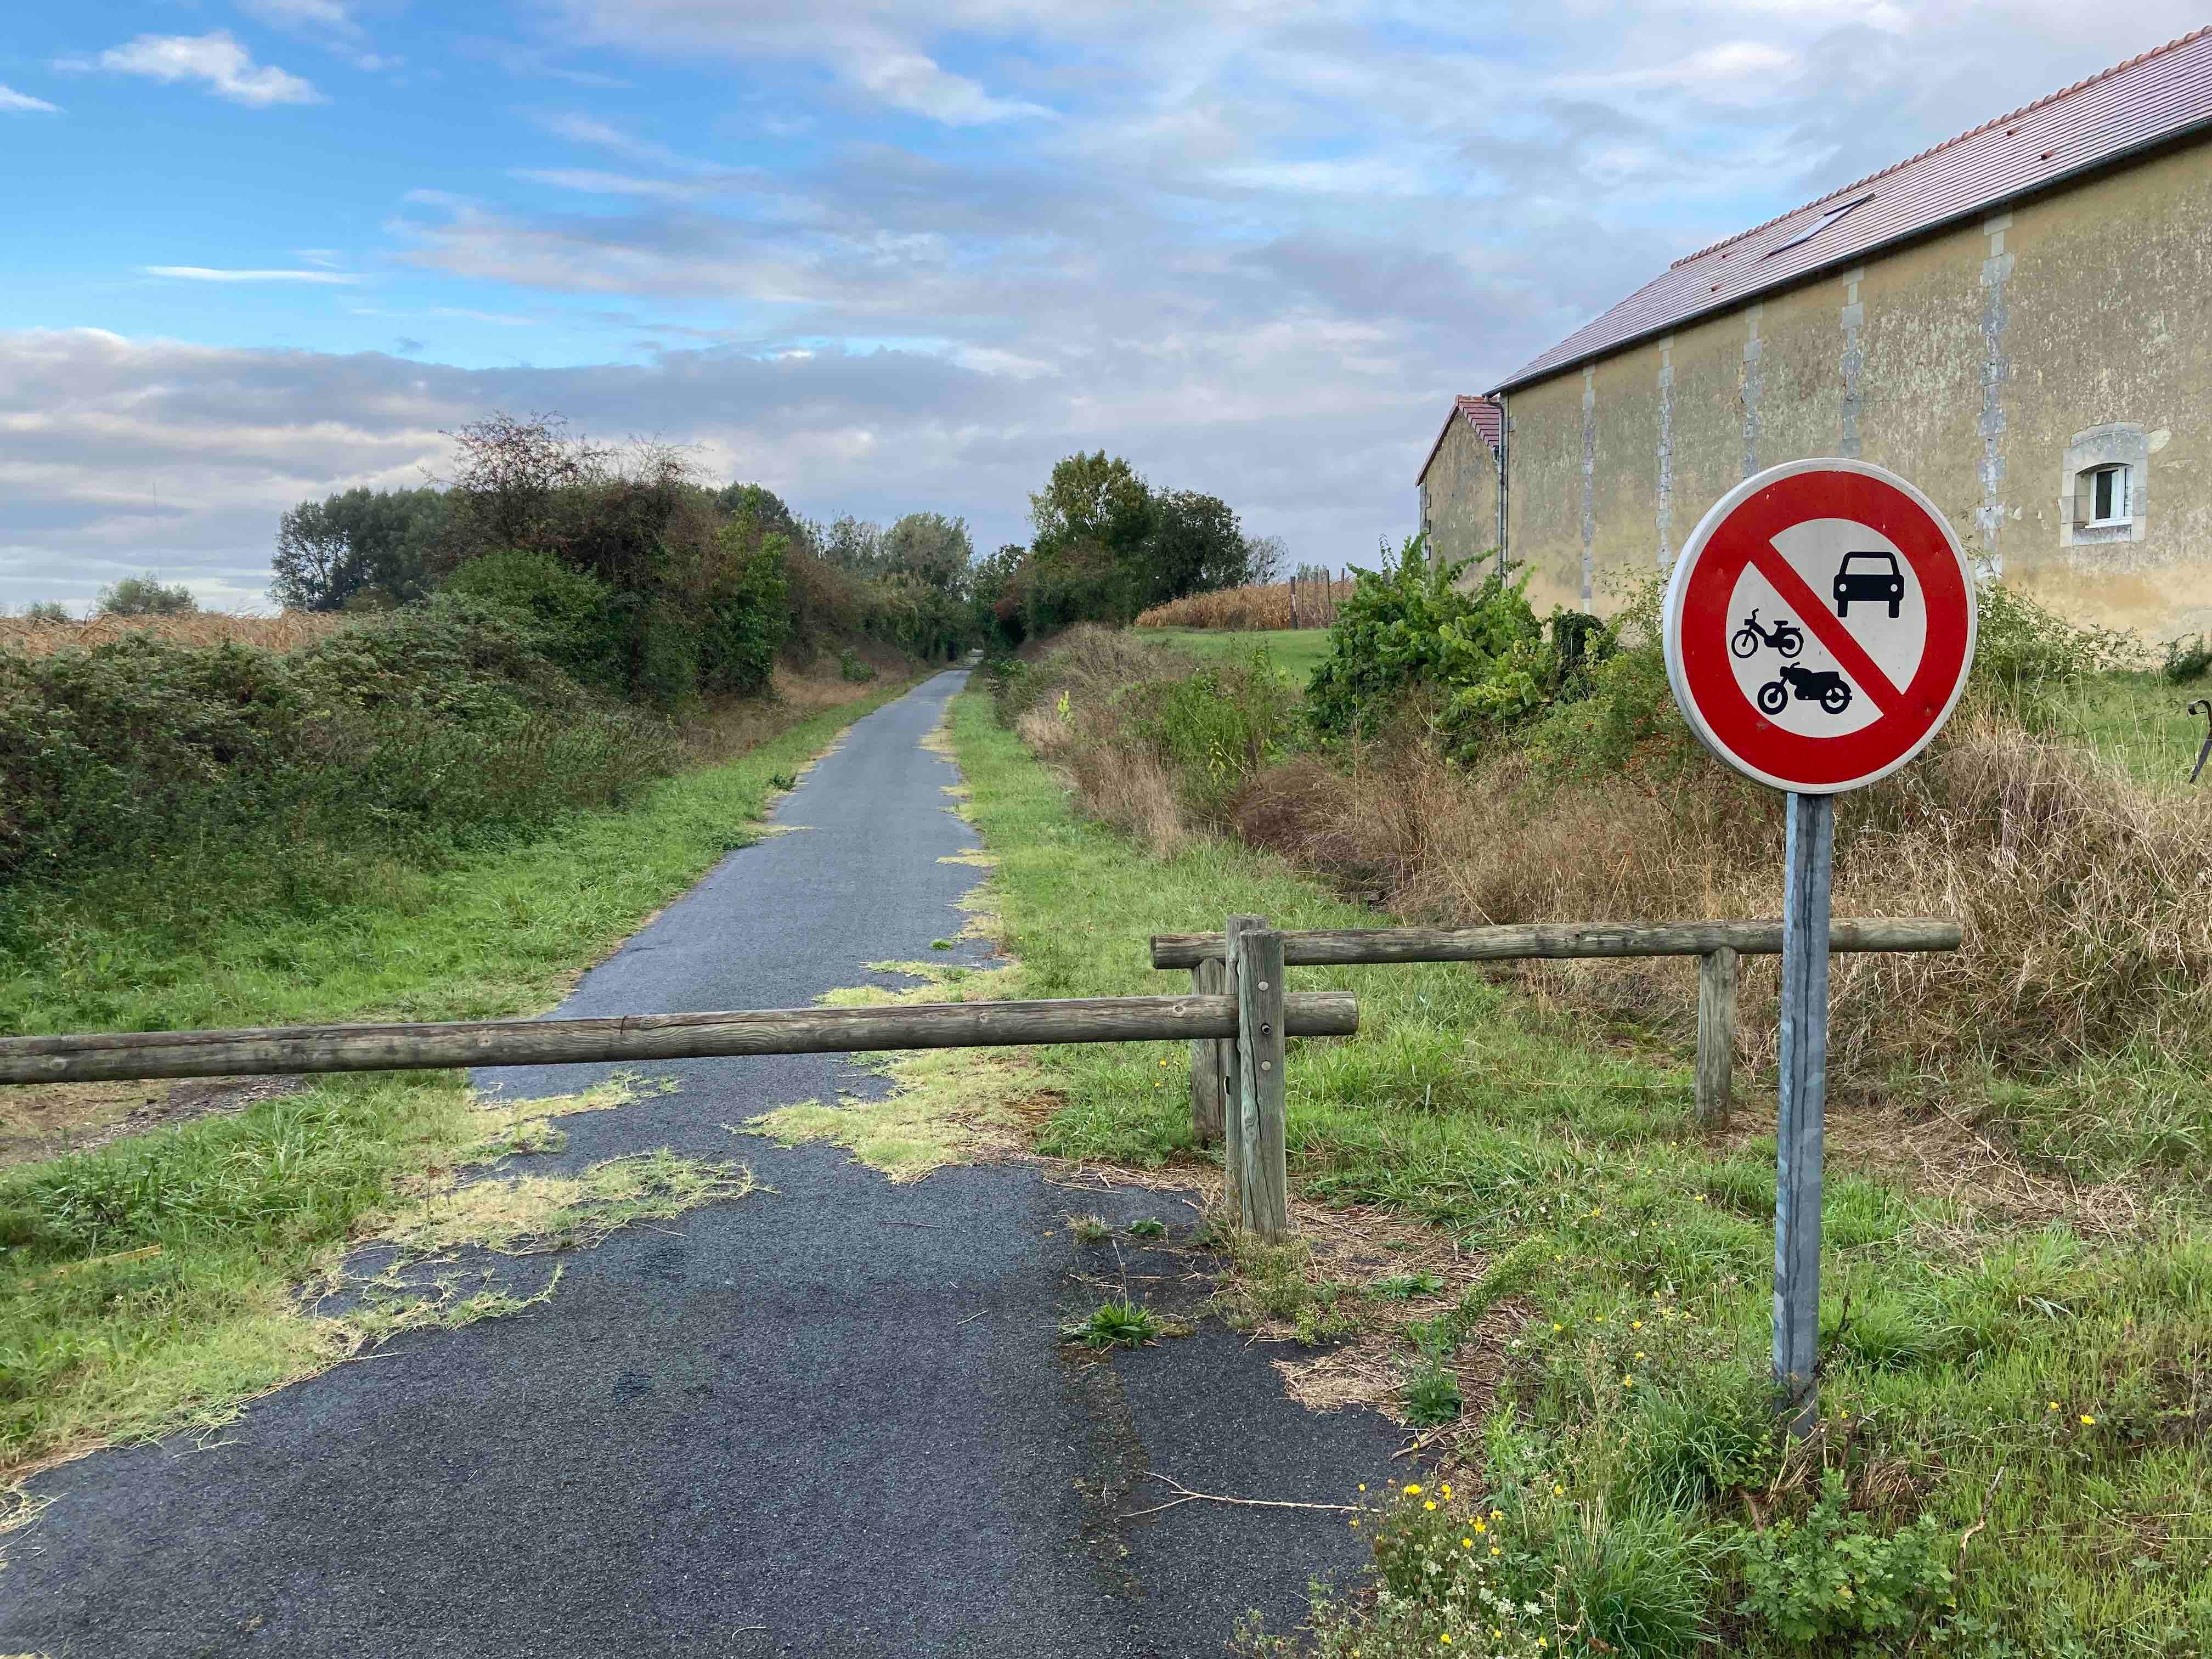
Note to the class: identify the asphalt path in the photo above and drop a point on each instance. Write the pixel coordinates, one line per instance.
(833, 1419)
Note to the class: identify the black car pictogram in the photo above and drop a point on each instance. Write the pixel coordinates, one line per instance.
(1869, 576)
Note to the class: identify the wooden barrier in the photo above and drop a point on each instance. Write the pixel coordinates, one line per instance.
(1717, 943)
(283, 1050)
(1371, 946)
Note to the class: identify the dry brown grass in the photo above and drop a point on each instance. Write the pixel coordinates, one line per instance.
(1253, 610)
(288, 630)
(2086, 900)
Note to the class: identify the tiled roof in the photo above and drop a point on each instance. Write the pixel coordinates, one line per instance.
(1480, 413)
(2131, 107)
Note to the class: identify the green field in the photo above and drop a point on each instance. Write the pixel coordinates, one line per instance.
(1296, 652)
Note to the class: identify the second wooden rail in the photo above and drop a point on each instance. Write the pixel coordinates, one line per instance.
(1717, 944)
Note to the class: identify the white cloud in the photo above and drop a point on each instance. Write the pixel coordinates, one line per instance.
(13, 102)
(915, 82)
(217, 59)
(590, 182)
(589, 130)
(204, 274)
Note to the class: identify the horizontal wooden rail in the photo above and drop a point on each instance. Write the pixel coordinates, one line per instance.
(1373, 946)
(282, 1050)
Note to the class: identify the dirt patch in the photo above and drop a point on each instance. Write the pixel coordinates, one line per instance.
(39, 1121)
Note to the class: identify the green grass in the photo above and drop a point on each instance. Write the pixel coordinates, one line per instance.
(2140, 720)
(2053, 1385)
(149, 1285)
(1296, 652)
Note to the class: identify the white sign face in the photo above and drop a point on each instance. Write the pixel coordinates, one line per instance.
(1820, 625)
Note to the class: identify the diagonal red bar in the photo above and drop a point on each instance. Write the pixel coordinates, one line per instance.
(1828, 629)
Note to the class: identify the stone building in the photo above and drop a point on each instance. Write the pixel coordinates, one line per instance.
(1459, 482)
(2019, 320)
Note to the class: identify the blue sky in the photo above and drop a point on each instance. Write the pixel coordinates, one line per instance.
(885, 255)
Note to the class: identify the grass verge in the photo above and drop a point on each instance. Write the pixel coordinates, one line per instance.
(2038, 1390)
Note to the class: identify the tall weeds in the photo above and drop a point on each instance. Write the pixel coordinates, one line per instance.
(2086, 897)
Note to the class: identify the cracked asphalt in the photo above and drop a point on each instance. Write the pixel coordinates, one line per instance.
(833, 1419)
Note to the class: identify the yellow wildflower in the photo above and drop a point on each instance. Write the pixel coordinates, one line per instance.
(1412, 1492)
(2088, 1420)
(1430, 1504)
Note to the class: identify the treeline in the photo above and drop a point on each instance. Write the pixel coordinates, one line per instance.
(635, 573)
(646, 580)
(1109, 545)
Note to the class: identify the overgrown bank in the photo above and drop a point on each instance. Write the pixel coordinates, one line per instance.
(151, 1284)
(2015, 1358)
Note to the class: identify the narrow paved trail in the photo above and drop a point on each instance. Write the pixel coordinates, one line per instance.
(831, 1419)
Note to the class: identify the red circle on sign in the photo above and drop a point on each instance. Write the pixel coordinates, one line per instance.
(1740, 531)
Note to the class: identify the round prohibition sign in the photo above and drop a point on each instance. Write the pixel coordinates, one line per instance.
(1820, 625)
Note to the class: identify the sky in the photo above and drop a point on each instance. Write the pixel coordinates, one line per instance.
(883, 256)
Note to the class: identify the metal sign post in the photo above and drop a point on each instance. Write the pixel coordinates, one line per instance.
(1819, 629)
(1810, 841)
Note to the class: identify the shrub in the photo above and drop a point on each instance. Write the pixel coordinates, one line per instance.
(1409, 629)
(396, 735)
(852, 669)
(1832, 1575)
(2186, 658)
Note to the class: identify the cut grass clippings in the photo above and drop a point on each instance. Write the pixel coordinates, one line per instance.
(2044, 1393)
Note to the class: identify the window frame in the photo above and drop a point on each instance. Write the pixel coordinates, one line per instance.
(2120, 499)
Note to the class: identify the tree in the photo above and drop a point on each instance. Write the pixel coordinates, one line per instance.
(145, 596)
(1196, 545)
(46, 611)
(855, 545)
(358, 550)
(931, 548)
(1090, 498)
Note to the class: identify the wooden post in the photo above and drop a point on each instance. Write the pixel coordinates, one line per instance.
(1231, 1065)
(1347, 947)
(1207, 979)
(1265, 1188)
(1811, 835)
(1716, 972)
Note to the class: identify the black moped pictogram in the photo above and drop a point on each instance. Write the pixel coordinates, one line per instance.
(1785, 636)
(1827, 687)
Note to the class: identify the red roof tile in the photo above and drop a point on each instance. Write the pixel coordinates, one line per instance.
(2131, 106)
(1480, 413)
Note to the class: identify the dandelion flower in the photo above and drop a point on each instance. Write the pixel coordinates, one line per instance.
(1494, 1550)
(1558, 1490)
(2054, 1404)
(1482, 1526)
(1639, 1353)
(1466, 1543)
(1699, 1198)
(2088, 1420)
(1412, 1492)
(1447, 1489)
(1430, 1504)
(1444, 1640)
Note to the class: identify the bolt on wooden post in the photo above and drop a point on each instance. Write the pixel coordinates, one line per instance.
(1263, 1186)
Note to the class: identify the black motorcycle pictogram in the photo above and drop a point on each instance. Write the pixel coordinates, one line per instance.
(1785, 636)
(1827, 689)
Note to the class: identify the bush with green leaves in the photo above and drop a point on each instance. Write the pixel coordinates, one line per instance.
(2186, 658)
(1216, 727)
(1833, 1574)
(1476, 656)
(400, 735)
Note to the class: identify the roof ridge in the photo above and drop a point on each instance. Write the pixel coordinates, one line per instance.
(2139, 59)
